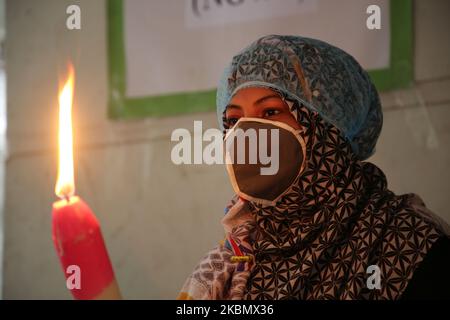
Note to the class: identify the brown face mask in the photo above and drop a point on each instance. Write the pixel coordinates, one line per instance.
(263, 159)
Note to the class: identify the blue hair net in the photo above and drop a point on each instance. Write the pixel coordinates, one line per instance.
(316, 74)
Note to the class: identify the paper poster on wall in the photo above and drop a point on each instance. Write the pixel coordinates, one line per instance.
(167, 56)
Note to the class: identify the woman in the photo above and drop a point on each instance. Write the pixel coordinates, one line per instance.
(335, 231)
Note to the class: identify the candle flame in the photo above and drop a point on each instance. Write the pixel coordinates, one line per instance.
(65, 185)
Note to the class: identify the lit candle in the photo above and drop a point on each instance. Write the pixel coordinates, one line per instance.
(76, 232)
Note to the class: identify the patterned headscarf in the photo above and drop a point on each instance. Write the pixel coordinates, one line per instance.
(338, 219)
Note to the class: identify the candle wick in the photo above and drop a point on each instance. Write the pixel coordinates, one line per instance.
(67, 198)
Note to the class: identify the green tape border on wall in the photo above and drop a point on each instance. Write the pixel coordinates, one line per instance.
(398, 75)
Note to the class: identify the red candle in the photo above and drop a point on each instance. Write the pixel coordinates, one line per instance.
(76, 232)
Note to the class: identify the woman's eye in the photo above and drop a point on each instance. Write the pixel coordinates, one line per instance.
(271, 112)
(232, 121)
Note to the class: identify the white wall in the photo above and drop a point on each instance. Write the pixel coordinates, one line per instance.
(2, 132)
(159, 219)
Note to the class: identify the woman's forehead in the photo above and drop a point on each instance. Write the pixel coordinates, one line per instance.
(253, 94)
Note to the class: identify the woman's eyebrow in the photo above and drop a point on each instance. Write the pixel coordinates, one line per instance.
(233, 106)
(270, 96)
(259, 101)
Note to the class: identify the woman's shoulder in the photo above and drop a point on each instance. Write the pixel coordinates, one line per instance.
(213, 261)
(431, 280)
(417, 207)
(211, 268)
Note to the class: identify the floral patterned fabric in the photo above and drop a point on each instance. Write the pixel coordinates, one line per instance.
(335, 222)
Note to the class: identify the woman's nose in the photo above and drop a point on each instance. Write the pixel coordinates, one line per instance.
(252, 113)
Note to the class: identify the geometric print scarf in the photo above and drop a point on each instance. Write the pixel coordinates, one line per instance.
(318, 241)
(337, 220)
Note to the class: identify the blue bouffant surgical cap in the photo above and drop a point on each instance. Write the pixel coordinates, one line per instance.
(318, 75)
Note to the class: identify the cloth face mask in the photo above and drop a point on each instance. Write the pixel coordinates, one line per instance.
(263, 158)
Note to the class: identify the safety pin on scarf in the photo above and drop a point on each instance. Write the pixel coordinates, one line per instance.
(239, 256)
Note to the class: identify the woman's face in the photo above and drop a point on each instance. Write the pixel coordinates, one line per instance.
(259, 103)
